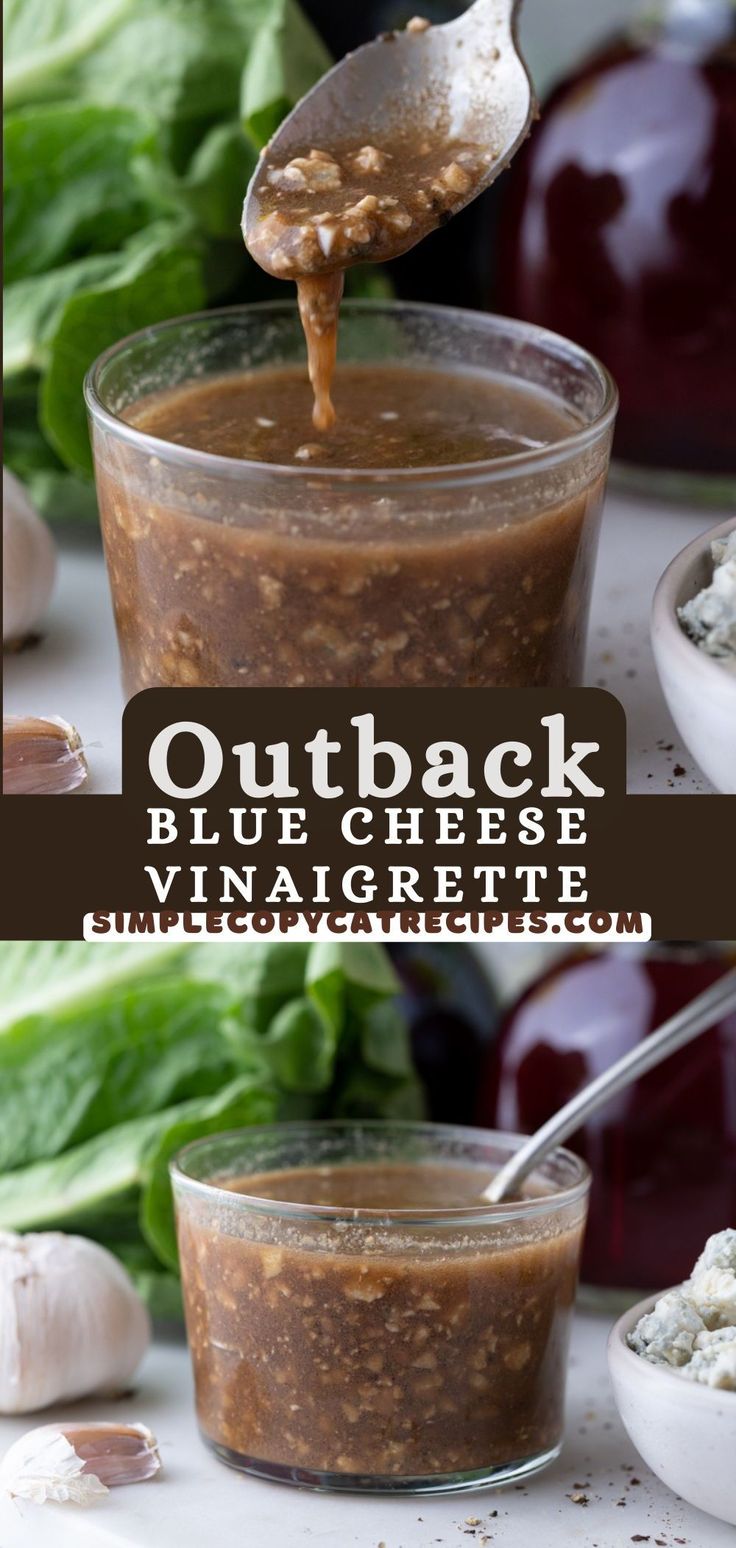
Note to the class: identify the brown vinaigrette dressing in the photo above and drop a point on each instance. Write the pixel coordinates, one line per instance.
(389, 417)
(389, 1185)
(319, 308)
(223, 582)
(377, 1349)
(327, 209)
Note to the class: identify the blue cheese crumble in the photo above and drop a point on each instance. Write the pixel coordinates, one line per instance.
(693, 1329)
(710, 617)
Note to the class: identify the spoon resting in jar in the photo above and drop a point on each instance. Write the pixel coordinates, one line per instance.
(391, 143)
(689, 1022)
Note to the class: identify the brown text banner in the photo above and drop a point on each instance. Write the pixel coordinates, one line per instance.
(369, 799)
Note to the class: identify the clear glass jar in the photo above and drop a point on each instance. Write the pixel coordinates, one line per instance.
(618, 227)
(384, 1349)
(230, 573)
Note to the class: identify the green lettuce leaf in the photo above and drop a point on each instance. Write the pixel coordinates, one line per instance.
(49, 977)
(43, 44)
(99, 1188)
(183, 63)
(33, 309)
(73, 183)
(215, 182)
(113, 1056)
(127, 159)
(246, 1101)
(54, 491)
(160, 274)
(300, 1047)
(262, 977)
(385, 1043)
(75, 1073)
(93, 1186)
(348, 976)
(286, 58)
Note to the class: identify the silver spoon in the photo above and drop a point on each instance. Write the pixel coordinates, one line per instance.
(465, 80)
(680, 1029)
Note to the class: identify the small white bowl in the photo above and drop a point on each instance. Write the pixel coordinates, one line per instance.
(685, 1432)
(700, 692)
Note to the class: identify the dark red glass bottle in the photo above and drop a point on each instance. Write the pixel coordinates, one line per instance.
(618, 229)
(452, 1014)
(662, 1153)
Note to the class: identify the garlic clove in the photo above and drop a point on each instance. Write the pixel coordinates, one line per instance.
(41, 756)
(43, 1465)
(115, 1453)
(71, 1321)
(29, 563)
(77, 1463)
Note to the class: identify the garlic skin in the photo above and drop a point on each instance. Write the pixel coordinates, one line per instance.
(71, 1321)
(42, 1466)
(29, 563)
(77, 1463)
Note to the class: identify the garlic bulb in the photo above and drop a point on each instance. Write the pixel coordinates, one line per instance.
(71, 1321)
(77, 1462)
(29, 562)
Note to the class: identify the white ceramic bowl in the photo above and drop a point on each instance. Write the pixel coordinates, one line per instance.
(700, 692)
(685, 1432)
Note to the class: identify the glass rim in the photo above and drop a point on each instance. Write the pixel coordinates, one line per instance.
(494, 469)
(284, 1209)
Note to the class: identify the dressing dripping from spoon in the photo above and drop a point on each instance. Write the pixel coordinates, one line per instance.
(391, 143)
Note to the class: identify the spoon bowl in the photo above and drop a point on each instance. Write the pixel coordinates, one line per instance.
(463, 81)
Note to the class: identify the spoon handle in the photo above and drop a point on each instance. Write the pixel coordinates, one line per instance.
(678, 1030)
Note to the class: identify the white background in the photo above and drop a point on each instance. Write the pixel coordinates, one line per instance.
(196, 1502)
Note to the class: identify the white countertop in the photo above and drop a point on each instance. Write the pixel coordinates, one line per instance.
(74, 670)
(196, 1501)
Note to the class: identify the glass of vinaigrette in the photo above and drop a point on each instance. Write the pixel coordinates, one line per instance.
(360, 1317)
(442, 534)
